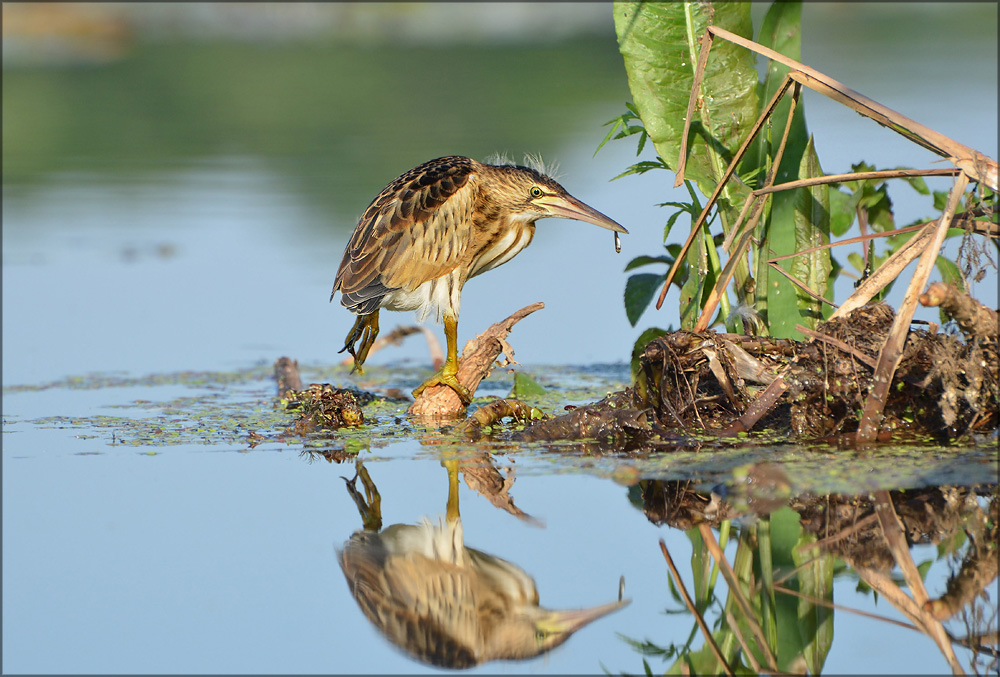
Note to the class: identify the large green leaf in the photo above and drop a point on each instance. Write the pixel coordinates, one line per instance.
(660, 42)
(812, 229)
(777, 297)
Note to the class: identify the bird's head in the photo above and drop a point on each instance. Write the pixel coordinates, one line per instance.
(533, 630)
(528, 194)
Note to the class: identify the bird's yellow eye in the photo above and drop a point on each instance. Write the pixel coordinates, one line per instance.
(540, 636)
(535, 191)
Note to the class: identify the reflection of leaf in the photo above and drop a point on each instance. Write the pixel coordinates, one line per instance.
(815, 577)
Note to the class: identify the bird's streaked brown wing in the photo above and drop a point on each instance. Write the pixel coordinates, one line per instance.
(411, 233)
(425, 606)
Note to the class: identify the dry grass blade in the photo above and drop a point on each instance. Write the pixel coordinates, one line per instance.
(706, 45)
(852, 240)
(887, 272)
(801, 285)
(892, 350)
(857, 176)
(691, 607)
(840, 607)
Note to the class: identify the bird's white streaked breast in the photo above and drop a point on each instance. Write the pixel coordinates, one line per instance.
(507, 247)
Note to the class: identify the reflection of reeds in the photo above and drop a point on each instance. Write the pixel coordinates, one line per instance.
(747, 630)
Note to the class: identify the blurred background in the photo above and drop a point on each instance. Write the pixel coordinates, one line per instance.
(180, 179)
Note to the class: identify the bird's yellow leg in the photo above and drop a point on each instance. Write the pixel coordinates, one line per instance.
(447, 375)
(452, 509)
(365, 329)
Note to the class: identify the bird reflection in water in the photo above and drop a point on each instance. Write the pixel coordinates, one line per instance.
(441, 602)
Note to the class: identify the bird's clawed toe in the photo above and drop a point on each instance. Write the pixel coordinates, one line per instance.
(444, 378)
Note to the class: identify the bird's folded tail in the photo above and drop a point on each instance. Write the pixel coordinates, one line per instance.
(365, 330)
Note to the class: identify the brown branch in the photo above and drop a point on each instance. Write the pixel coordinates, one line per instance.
(973, 318)
(477, 360)
(760, 406)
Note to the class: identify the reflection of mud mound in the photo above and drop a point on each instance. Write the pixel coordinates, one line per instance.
(678, 505)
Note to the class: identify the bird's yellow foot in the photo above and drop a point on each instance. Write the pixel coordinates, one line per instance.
(446, 377)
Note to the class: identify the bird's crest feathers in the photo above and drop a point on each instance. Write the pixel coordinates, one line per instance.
(531, 160)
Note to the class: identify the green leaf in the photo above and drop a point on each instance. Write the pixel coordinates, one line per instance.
(639, 291)
(660, 43)
(812, 229)
(646, 260)
(843, 206)
(526, 387)
(776, 297)
(640, 343)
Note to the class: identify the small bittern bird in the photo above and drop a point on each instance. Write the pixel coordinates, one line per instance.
(430, 231)
(444, 603)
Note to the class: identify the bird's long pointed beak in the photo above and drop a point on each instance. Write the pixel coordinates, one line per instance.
(572, 620)
(568, 207)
